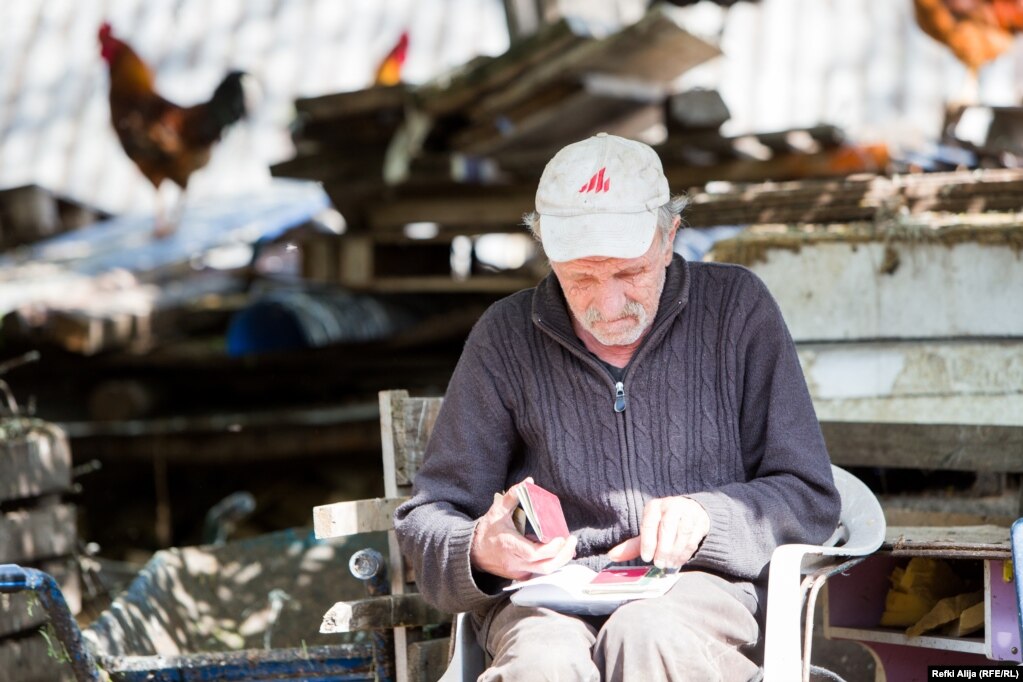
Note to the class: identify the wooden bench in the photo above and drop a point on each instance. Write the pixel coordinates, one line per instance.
(405, 427)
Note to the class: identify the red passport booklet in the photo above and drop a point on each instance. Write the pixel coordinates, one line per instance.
(544, 518)
(624, 579)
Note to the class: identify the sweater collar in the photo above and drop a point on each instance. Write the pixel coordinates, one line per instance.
(550, 310)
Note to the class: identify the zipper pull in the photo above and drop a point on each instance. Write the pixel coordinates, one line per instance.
(619, 397)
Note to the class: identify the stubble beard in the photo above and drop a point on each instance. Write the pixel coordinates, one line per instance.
(632, 309)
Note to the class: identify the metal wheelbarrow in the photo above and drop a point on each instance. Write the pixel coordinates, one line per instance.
(214, 613)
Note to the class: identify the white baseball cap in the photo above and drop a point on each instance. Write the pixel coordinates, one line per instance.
(599, 197)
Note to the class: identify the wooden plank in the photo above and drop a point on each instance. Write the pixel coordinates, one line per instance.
(411, 435)
(961, 447)
(836, 162)
(352, 103)
(244, 443)
(575, 116)
(356, 265)
(231, 437)
(900, 516)
(655, 49)
(455, 91)
(21, 611)
(33, 658)
(359, 516)
(441, 285)
(27, 214)
(41, 533)
(960, 542)
(35, 459)
(390, 402)
(393, 610)
(427, 660)
(321, 258)
(466, 207)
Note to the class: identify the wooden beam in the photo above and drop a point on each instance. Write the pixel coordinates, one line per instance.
(462, 207)
(42, 533)
(394, 610)
(21, 611)
(959, 447)
(964, 542)
(34, 657)
(446, 285)
(523, 18)
(248, 444)
(359, 516)
(428, 659)
(35, 462)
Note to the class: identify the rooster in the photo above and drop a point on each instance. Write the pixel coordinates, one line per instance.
(389, 71)
(165, 141)
(977, 31)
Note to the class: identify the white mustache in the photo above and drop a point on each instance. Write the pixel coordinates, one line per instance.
(630, 309)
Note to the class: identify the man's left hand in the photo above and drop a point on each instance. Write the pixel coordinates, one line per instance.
(671, 531)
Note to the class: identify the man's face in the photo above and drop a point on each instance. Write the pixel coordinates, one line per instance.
(615, 299)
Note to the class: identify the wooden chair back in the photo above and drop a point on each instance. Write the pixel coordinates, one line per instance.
(405, 427)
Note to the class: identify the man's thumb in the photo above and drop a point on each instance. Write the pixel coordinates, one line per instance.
(508, 502)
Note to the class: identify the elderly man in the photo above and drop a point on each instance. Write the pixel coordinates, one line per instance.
(661, 400)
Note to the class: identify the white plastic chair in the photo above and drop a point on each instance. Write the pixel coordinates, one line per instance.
(861, 529)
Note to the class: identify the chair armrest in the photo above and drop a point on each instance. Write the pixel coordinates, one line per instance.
(782, 645)
(861, 531)
(390, 611)
(467, 660)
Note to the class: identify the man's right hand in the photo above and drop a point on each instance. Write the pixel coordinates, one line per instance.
(499, 549)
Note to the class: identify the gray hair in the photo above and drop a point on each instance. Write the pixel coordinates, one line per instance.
(666, 215)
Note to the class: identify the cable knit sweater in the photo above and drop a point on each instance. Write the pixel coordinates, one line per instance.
(715, 408)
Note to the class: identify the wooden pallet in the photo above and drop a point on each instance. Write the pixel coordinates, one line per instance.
(36, 529)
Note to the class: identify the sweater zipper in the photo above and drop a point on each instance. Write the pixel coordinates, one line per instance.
(620, 397)
(618, 401)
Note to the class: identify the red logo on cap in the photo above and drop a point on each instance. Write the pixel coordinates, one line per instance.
(597, 183)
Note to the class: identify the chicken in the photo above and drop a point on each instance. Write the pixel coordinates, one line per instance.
(389, 71)
(977, 31)
(165, 141)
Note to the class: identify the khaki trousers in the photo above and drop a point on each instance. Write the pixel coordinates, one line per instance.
(702, 630)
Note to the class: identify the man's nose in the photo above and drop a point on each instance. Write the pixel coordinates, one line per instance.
(611, 300)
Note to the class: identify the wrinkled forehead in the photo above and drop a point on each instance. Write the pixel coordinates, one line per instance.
(601, 267)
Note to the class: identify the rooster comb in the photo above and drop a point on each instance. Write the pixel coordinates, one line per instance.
(105, 31)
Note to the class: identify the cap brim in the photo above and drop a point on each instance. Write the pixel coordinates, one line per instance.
(597, 235)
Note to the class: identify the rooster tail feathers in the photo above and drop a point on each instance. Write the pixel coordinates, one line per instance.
(208, 121)
(227, 105)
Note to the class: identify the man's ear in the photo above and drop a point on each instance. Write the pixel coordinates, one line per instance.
(670, 238)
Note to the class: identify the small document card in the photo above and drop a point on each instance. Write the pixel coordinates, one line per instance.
(544, 518)
(627, 579)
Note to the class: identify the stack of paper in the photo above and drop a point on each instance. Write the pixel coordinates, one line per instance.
(579, 590)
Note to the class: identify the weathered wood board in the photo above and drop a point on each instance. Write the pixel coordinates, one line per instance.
(35, 459)
(40, 533)
(20, 612)
(32, 658)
